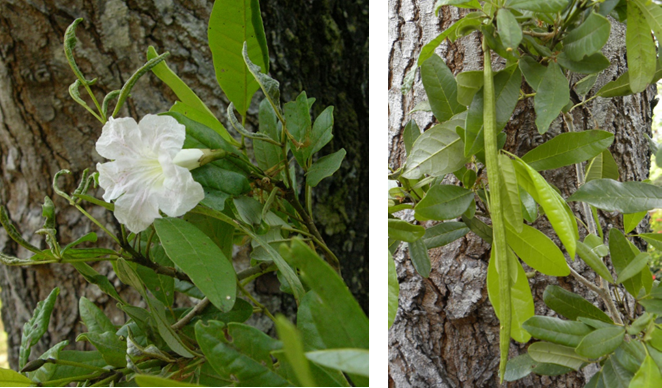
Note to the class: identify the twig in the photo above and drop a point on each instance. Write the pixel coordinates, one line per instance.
(191, 314)
(258, 270)
(592, 229)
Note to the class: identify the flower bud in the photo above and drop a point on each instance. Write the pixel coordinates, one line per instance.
(188, 158)
(193, 158)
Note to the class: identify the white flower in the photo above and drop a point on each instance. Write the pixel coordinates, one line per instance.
(143, 176)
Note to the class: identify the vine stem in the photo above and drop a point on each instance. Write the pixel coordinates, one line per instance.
(494, 178)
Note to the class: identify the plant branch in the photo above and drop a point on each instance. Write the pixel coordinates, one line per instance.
(191, 314)
(592, 229)
(332, 259)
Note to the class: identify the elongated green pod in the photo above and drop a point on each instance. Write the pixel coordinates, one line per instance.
(499, 231)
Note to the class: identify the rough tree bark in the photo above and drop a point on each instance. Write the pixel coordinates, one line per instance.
(445, 333)
(320, 47)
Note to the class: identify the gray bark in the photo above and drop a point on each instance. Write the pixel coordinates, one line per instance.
(446, 333)
(321, 47)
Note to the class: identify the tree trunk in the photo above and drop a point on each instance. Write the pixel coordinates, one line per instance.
(320, 47)
(446, 333)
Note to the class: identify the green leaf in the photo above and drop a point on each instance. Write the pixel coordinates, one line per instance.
(634, 267)
(46, 371)
(437, 152)
(568, 148)
(583, 86)
(92, 276)
(419, 257)
(552, 95)
(204, 119)
(655, 239)
(520, 297)
(512, 209)
(550, 6)
(529, 206)
(653, 306)
(404, 231)
(507, 83)
(410, 134)
(393, 290)
(293, 347)
(594, 261)
(602, 166)
(556, 354)
(468, 84)
(601, 342)
(218, 231)
(519, 367)
(473, 137)
(198, 256)
(624, 197)
(269, 86)
(613, 374)
(472, 4)
(509, 29)
(112, 349)
(441, 88)
(199, 135)
(129, 84)
(90, 237)
(320, 134)
(568, 333)
(653, 14)
(640, 49)
(267, 155)
(191, 105)
(157, 310)
(594, 323)
(324, 167)
(444, 233)
(94, 319)
(591, 64)
(533, 71)
(349, 327)
(299, 125)
(622, 255)
(468, 21)
(161, 286)
(249, 210)
(588, 38)
(36, 327)
(443, 202)
(648, 376)
(595, 243)
(283, 267)
(226, 360)
(537, 250)
(156, 381)
(347, 360)
(9, 378)
(91, 358)
(556, 209)
(571, 305)
(220, 179)
(231, 24)
(621, 86)
(630, 355)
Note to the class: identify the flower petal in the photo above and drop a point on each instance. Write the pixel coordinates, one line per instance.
(120, 138)
(163, 134)
(129, 174)
(180, 193)
(137, 210)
